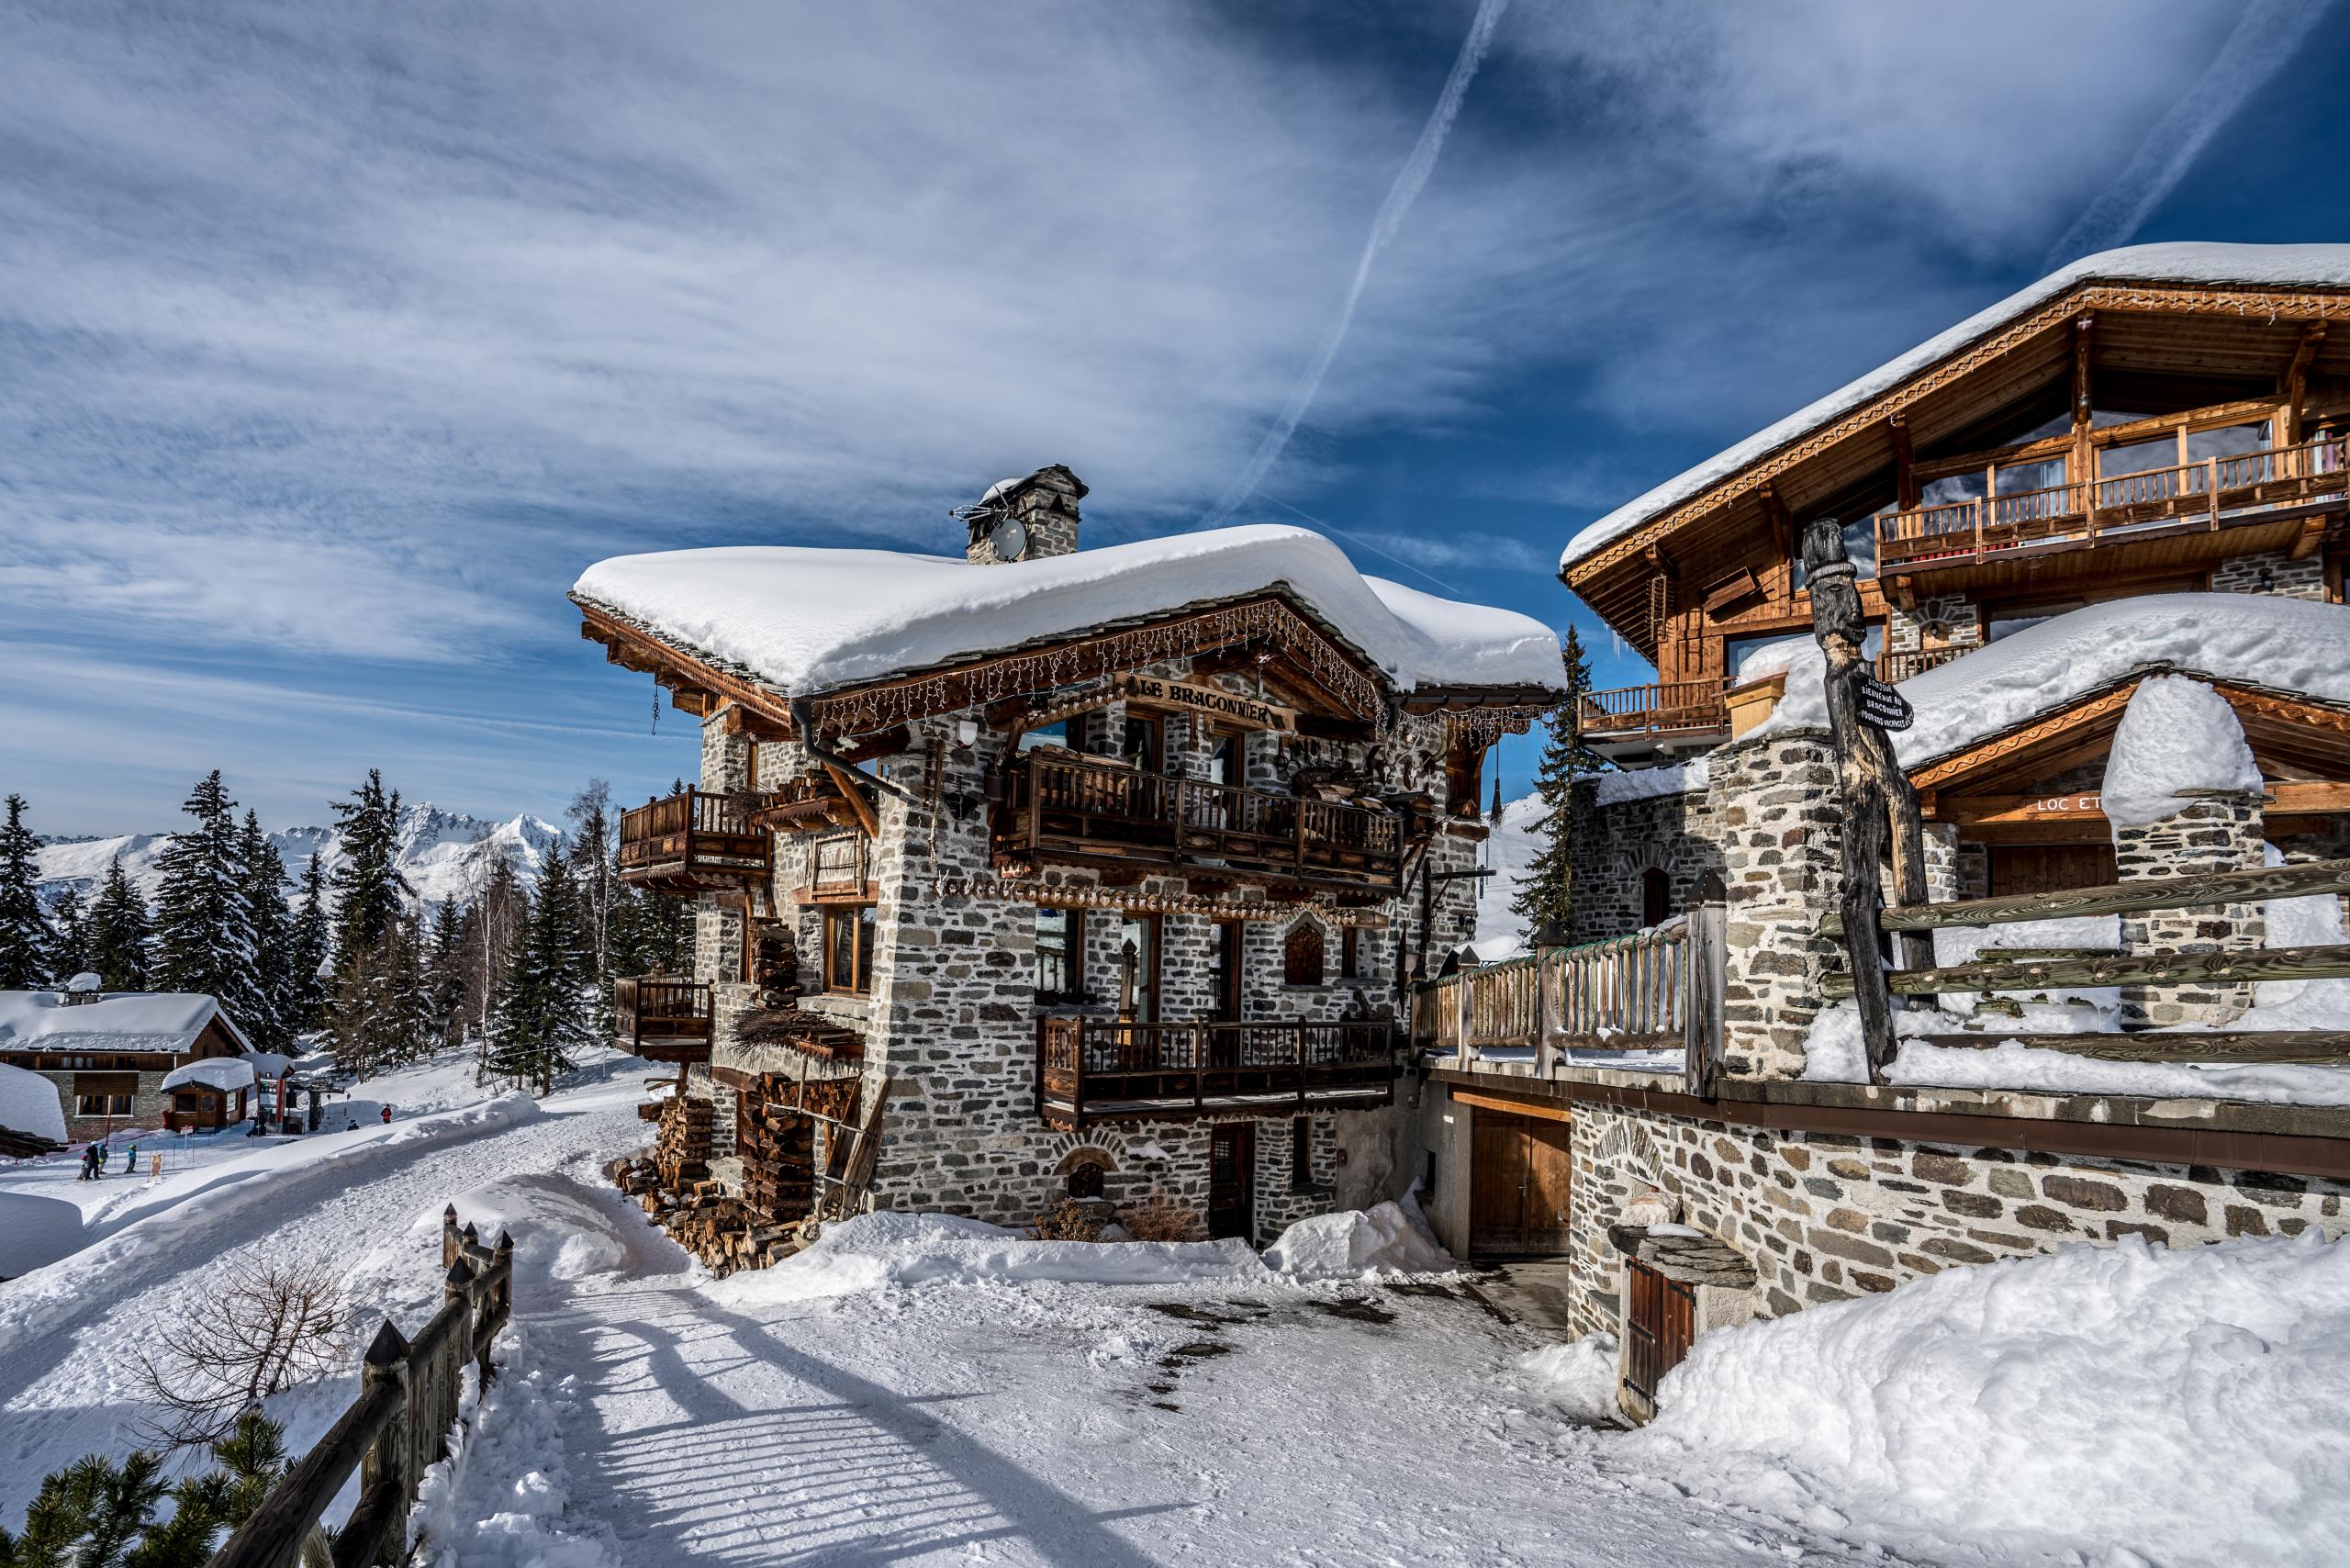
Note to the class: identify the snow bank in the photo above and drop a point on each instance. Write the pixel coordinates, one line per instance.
(2286, 644)
(2178, 740)
(812, 620)
(29, 1103)
(2190, 1407)
(2181, 262)
(227, 1074)
(1648, 783)
(504, 1499)
(2298, 923)
(1579, 1378)
(560, 1230)
(876, 1251)
(1393, 1238)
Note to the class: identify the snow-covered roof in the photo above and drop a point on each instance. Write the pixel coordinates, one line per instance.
(2321, 266)
(814, 619)
(122, 1020)
(2283, 644)
(227, 1074)
(29, 1104)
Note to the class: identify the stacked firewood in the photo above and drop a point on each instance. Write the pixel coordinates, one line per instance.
(681, 1152)
(777, 1140)
(775, 964)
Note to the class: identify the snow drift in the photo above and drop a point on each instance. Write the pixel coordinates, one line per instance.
(29, 1103)
(877, 1250)
(2178, 740)
(1392, 1239)
(2190, 1407)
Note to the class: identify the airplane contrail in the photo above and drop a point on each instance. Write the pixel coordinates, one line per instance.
(1383, 229)
(2263, 39)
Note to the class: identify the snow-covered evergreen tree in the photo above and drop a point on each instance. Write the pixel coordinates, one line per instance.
(363, 1024)
(544, 1009)
(445, 976)
(308, 949)
(595, 873)
(69, 947)
(121, 953)
(204, 928)
(25, 935)
(1546, 890)
(262, 871)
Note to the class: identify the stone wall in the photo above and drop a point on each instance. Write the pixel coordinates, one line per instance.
(1824, 1219)
(1617, 843)
(2221, 834)
(2273, 572)
(1778, 809)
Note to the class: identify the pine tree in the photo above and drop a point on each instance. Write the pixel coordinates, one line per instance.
(544, 1012)
(1545, 892)
(25, 935)
(261, 870)
(204, 928)
(595, 873)
(308, 949)
(97, 1513)
(445, 976)
(493, 923)
(69, 948)
(367, 888)
(121, 952)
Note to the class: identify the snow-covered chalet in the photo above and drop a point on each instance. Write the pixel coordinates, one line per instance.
(129, 1058)
(1041, 873)
(2100, 531)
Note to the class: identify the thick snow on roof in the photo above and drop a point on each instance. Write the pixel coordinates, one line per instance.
(227, 1074)
(2183, 262)
(123, 1021)
(2284, 644)
(29, 1103)
(810, 620)
(2178, 740)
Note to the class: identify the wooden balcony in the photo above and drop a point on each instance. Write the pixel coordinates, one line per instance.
(696, 842)
(1671, 708)
(2215, 494)
(1086, 811)
(1897, 667)
(1097, 1070)
(662, 1019)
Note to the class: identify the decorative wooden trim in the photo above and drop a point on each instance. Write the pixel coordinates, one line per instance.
(633, 648)
(1080, 895)
(2088, 296)
(1534, 1110)
(1940, 773)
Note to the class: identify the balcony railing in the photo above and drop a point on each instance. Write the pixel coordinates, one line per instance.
(1091, 811)
(1096, 1070)
(662, 1019)
(1661, 707)
(2214, 491)
(692, 842)
(1897, 667)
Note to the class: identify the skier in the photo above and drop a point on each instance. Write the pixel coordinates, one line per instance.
(130, 1160)
(388, 1115)
(89, 1163)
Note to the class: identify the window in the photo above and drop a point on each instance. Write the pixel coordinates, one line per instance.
(1300, 1152)
(1060, 956)
(102, 1104)
(1227, 758)
(1053, 734)
(1656, 896)
(1350, 953)
(1301, 954)
(1085, 1181)
(1143, 741)
(1138, 969)
(1225, 971)
(848, 949)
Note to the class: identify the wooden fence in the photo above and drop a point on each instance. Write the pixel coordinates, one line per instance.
(2039, 970)
(399, 1426)
(1657, 988)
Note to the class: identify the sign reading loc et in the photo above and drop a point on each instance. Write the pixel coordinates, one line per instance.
(1884, 707)
(1231, 707)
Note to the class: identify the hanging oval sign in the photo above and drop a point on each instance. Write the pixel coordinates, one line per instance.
(1884, 707)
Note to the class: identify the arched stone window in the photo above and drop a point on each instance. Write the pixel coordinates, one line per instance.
(1656, 896)
(1301, 954)
(1084, 1170)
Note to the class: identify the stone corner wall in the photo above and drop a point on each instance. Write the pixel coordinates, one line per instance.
(1776, 807)
(2220, 833)
(1616, 844)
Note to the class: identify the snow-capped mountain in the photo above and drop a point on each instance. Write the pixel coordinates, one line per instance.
(440, 854)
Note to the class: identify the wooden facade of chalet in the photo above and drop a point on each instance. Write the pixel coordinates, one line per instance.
(2120, 438)
(104, 1083)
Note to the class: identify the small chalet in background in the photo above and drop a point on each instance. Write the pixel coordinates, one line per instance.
(2100, 532)
(1039, 873)
(129, 1058)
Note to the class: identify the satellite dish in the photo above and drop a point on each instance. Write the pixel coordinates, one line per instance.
(1011, 539)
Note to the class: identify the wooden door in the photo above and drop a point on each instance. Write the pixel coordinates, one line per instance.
(1520, 1179)
(2050, 867)
(1232, 1180)
(1659, 1319)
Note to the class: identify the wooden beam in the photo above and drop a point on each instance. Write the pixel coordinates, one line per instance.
(2327, 962)
(2312, 535)
(2293, 385)
(853, 789)
(1536, 1110)
(1905, 463)
(2219, 1045)
(2082, 467)
(738, 720)
(632, 649)
(2120, 897)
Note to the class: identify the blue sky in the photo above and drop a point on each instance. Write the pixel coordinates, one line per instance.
(337, 340)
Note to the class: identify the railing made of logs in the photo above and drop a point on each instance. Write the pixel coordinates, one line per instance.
(397, 1428)
(696, 831)
(1660, 705)
(1089, 806)
(2212, 489)
(1657, 988)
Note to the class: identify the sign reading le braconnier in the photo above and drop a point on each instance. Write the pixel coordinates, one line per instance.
(1232, 707)
(1884, 707)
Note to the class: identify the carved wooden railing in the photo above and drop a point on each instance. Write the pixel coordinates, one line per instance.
(2209, 491)
(662, 1018)
(695, 837)
(1089, 807)
(1657, 988)
(399, 1426)
(1661, 705)
(1098, 1069)
(1912, 662)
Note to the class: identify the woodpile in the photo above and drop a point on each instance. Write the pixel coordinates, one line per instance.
(681, 1152)
(778, 1139)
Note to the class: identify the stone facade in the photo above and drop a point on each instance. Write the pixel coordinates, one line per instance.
(1778, 809)
(950, 1019)
(2272, 572)
(2221, 835)
(1616, 846)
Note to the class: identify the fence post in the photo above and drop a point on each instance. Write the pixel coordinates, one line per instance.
(1461, 1017)
(1703, 972)
(448, 1235)
(387, 1470)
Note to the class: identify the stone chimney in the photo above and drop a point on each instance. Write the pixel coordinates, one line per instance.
(1026, 519)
